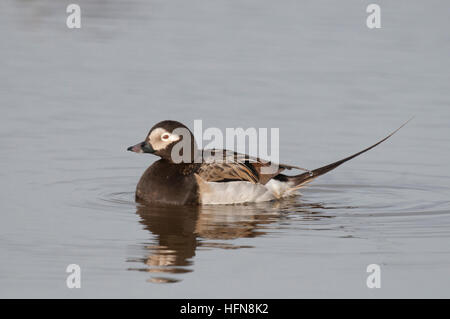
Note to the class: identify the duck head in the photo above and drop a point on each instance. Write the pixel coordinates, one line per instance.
(170, 140)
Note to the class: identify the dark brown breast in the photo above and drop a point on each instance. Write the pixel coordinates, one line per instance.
(168, 183)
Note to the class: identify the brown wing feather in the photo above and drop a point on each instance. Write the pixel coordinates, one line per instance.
(224, 165)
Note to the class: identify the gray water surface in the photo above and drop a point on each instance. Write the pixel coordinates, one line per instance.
(72, 101)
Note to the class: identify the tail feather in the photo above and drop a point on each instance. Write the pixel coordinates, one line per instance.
(299, 180)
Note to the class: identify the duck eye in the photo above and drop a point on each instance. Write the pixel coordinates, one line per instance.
(165, 137)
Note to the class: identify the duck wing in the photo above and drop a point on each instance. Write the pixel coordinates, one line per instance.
(225, 166)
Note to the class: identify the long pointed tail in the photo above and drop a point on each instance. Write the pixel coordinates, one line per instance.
(301, 179)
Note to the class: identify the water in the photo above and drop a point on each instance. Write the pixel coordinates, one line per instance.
(73, 100)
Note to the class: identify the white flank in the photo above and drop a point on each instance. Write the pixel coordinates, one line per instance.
(216, 193)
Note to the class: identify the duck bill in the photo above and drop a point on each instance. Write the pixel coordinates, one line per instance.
(143, 147)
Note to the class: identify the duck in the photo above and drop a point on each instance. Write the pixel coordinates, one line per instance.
(215, 177)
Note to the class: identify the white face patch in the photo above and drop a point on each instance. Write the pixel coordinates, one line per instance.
(160, 138)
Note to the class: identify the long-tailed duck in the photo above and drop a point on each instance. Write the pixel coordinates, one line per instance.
(235, 178)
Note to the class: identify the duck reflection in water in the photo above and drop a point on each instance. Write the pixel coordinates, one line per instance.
(180, 231)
